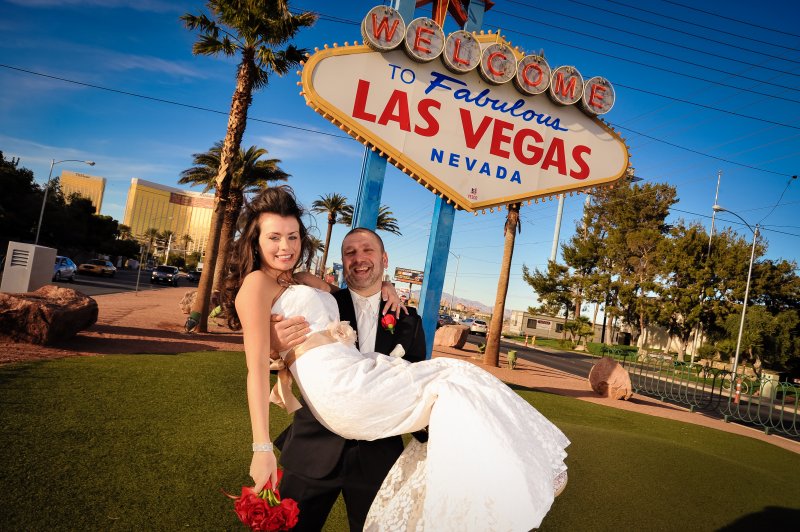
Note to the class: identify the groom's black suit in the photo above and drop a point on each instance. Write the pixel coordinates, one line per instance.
(319, 464)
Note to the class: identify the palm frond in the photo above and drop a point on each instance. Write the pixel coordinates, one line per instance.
(200, 22)
(346, 216)
(210, 45)
(387, 222)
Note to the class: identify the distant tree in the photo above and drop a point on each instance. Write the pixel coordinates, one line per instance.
(766, 338)
(579, 329)
(316, 247)
(20, 201)
(124, 231)
(186, 239)
(150, 236)
(193, 260)
(386, 220)
(333, 205)
(684, 279)
(633, 219)
(553, 289)
(585, 255)
(122, 248)
(254, 31)
(166, 238)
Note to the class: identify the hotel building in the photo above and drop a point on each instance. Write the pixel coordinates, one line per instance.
(151, 205)
(88, 186)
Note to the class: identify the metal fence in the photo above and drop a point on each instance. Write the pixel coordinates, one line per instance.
(764, 403)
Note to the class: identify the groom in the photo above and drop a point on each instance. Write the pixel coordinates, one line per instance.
(318, 464)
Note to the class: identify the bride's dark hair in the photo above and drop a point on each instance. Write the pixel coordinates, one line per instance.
(245, 258)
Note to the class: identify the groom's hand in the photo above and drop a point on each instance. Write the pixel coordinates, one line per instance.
(286, 333)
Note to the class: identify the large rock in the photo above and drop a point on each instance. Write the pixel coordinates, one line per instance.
(48, 315)
(609, 379)
(451, 336)
(187, 301)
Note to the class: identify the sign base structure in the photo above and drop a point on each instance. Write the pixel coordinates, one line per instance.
(468, 123)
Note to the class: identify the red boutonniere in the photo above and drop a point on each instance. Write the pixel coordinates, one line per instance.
(265, 510)
(388, 322)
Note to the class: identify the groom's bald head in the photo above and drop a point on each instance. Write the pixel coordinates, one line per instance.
(363, 260)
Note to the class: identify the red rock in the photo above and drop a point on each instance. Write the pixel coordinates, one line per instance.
(451, 336)
(609, 379)
(187, 301)
(48, 315)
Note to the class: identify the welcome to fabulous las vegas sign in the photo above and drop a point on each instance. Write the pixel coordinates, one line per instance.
(485, 126)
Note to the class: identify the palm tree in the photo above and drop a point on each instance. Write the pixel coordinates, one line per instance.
(123, 231)
(166, 237)
(491, 355)
(150, 235)
(250, 173)
(386, 221)
(186, 239)
(251, 30)
(333, 204)
(316, 246)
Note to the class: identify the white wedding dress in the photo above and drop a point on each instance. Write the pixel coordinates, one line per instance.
(491, 458)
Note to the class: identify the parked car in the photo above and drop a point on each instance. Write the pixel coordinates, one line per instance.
(445, 319)
(165, 274)
(194, 276)
(476, 326)
(98, 267)
(64, 268)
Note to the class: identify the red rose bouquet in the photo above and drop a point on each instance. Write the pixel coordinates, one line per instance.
(388, 321)
(265, 510)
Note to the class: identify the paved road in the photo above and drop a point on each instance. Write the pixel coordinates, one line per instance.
(123, 281)
(573, 363)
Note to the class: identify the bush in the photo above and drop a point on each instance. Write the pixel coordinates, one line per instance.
(595, 348)
(600, 350)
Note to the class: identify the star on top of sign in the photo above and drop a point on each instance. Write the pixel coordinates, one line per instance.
(457, 9)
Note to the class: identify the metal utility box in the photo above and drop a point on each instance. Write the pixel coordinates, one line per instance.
(28, 267)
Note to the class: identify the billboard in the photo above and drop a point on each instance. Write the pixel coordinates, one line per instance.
(470, 118)
(404, 275)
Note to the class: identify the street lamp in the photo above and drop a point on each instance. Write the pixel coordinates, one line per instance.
(455, 278)
(53, 162)
(718, 208)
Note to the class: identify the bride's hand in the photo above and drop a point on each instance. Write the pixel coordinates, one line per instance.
(286, 333)
(263, 469)
(393, 302)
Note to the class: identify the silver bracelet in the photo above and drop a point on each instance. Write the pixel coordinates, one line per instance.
(262, 447)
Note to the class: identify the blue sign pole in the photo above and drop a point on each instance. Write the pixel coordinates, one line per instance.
(373, 169)
(441, 232)
(435, 267)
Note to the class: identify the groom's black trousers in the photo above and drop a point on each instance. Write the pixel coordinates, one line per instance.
(316, 497)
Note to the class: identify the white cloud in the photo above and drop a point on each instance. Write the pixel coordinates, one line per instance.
(122, 62)
(295, 144)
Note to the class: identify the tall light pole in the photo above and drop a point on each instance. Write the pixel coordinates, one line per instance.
(455, 278)
(698, 333)
(718, 208)
(53, 162)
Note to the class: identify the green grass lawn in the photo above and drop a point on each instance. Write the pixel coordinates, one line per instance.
(146, 442)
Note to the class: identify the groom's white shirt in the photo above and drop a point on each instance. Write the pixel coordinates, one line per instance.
(366, 319)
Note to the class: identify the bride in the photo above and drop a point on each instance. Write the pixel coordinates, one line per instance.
(492, 461)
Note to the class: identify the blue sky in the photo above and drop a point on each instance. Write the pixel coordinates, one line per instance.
(697, 92)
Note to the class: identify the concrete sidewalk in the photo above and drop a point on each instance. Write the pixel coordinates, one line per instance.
(152, 322)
